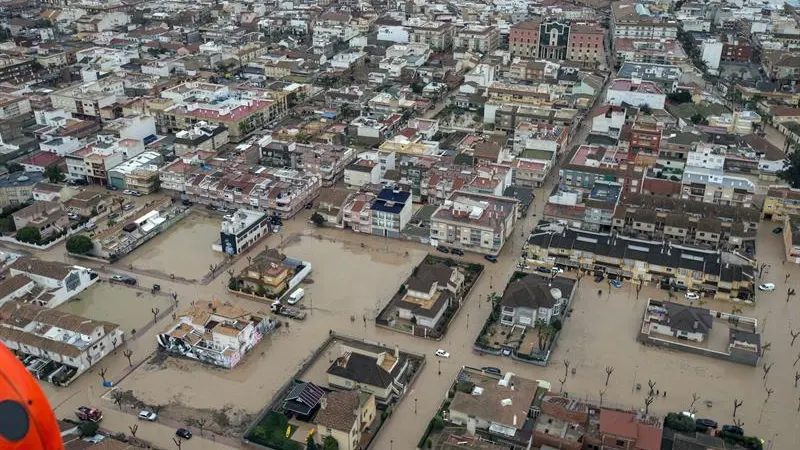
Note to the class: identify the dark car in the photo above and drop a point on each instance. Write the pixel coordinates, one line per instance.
(706, 423)
(442, 249)
(183, 433)
(490, 258)
(111, 187)
(546, 270)
(598, 278)
(186, 202)
(777, 230)
(733, 429)
(492, 370)
(457, 251)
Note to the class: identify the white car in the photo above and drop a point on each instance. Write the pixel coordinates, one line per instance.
(296, 296)
(127, 192)
(766, 287)
(692, 296)
(150, 416)
(442, 354)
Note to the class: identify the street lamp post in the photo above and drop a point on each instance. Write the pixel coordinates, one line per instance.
(440, 366)
(415, 406)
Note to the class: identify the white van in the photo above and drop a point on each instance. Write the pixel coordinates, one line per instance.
(296, 296)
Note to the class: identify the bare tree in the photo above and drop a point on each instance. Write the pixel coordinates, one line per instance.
(566, 367)
(102, 373)
(796, 360)
(769, 393)
(155, 312)
(134, 428)
(602, 393)
(738, 422)
(765, 347)
(794, 334)
(231, 272)
(118, 398)
(766, 368)
(736, 404)
(652, 384)
(201, 423)
(609, 371)
(157, 408)
(562, 381)
(114, 345)
(695, 398)
(128, 353)
(647, 403)
(178, 443)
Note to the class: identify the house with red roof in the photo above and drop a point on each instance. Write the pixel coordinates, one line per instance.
(42, 160)
(622, 430)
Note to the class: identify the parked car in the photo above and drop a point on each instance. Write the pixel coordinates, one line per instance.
(490, 258)
(457, 251)
(186, 202)
(442, 249)
(296, 296)
(692, 296)
(766, 287)
(492, 370)
(127, 192)
(90, 225)
(111, 187)
(733, 429)
(599, 277)
(183, 433)
(707, 423)
(777, 230)
(441, 353)
(136, 193)
(546, 270)
(689, 414)
(150, 416)
(123, 279)
(616, 283)
(128, 206)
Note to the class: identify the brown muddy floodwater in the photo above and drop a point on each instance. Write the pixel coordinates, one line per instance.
(127, 307)
(346, 280)
(183, 250)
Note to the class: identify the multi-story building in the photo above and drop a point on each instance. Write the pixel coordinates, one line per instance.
(16, 70)
(635, 92)
(55, 282)
(139, 173)
(586, 44)
(645, 135)
(438, 35)
(735, 50)
(781, 65)
(201, 137)
(715, 186)
(539, 141)
(92, 163)
(215, 333)
(357, 212)
(391, 212)
(658, 51)
(523, 39)
(17, 188)
(781, 202)
(267, 274)
(635, 20)
(474, 222)
(477, 38)
(87, 100)
(530, 173)
(720, 274)
(664, 75)
(72, 343)
(242, 229)
(12, 106)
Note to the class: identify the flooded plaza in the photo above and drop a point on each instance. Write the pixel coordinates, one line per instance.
(128, 307)
(183, 250)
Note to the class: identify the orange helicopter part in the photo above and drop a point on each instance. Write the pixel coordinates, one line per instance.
(26, 420)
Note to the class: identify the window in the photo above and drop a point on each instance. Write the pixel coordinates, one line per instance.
(620, 443)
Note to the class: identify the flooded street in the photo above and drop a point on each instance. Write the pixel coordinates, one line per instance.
(167, 253)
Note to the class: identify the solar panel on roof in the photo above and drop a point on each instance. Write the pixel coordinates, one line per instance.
(638, 248)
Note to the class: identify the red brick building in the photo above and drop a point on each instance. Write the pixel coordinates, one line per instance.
(645, 135)
(523, 39)
(585, 43)
(628, 431)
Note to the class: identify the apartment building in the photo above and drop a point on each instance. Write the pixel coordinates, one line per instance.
(357, 212)
(438, 35)
(636, 20)
(67, 345)
(47, 217)
(12, 106)
(635, 92)
(715, 186)
(586, 44)
(474, 222)
(201, 137)
(781, 202)
(16, 70)
(281, 192)
(721, 274)
(87, 100)
(477, 38)
(92, 162)
(650, 51)
(17, 188)
(538, 141)
(139, 173)
(523, 39)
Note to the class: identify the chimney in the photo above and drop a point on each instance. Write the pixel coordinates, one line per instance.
(695, 325)
(323, 402)
(397, 351)
(515, 420)
(512, 386)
